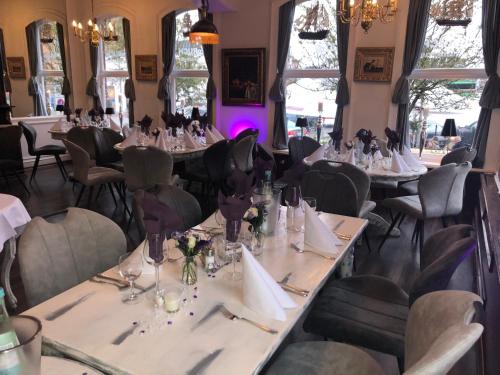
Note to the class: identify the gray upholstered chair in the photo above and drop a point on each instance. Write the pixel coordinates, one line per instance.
(56, 257)
(89, 176)
(240, 154)
(458, 156)
(106, 155)
(440, 195)
(83, 137)
(439, 332)
(146, 167)
(371, 311)
(186, 206)
(300, 148)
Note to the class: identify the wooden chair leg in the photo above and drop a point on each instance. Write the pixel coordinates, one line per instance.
(393, 224)
(35, 167)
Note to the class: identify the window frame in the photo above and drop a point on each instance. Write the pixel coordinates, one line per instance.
(183, 73)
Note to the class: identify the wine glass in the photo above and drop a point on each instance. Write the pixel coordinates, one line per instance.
(130, 267)
(292, 200)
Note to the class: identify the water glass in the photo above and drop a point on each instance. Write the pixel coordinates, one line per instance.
(130, 267)
(292, 200)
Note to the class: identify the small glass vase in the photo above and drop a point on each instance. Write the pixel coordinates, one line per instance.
(257, 242)
(189, 271)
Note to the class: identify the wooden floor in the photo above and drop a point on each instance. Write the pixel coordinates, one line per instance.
(399, 259)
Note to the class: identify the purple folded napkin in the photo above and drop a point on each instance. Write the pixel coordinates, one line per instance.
(240, 184)
(393, 139)
(233, 209)
(365, 136)
(336, 136)
(159, 221)
(145, 124)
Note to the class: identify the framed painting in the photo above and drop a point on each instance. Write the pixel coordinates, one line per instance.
(146, 68)
(373, 64)
(16, 67)
(243, 77)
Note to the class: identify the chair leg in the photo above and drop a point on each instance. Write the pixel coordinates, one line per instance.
(365, 237)
(401, 221)
(110, 187)
(422, 236)
(393, 224)
(401, 364)
(455, 219)
(443, 221)
(99, 191)
(123, 198)
(414, 236)
(35, 167)
(61, 167)
(21, 182)
(89, 199)
(80, 195)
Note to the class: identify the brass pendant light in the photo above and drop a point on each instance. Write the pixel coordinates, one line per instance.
(204, 31)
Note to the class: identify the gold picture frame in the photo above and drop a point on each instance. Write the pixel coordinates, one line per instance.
(374, 64)
(146, 68)
(16, 67)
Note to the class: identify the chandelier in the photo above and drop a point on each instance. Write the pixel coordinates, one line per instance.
(93, 31)
(367, 11)
(453, 12)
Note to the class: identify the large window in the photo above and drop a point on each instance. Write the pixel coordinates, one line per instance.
(51, 71)
(190, 74)
(113, 70)
(312, 73)
(447, 83)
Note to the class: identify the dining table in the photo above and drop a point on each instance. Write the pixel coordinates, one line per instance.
(62, 366)
(95, 327)
(13, 218)
(179, 154)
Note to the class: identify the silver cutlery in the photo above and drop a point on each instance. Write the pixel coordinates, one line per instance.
(202, 365)
(291, 288)
(338, 225)
(228, 314)
(94, 279)
(301, 250)
(64, 309)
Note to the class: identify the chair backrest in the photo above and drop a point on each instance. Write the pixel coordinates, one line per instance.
(84, 137)
(215, 159)
(30, 135)
(382, 144)
(146, 167)
(245, 133)
(183, 203)
(56, 257)
(358, 176)
(334, 193)
(301, 147)
(455, 203)
(241, 154)
(104, 140)
(437, 275)
(459, 155)
(80, 159)
(439, 331)
(434, 190)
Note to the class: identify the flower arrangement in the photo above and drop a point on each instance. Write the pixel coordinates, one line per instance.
(190, 246)
(365, 136)
(145, 124)
(255, 217)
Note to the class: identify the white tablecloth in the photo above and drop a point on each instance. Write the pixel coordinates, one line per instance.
(62, 366)
(13, 215)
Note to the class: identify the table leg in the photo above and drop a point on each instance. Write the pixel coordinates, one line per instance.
(10, 249)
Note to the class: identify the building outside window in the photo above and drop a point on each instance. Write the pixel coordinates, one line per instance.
(51, 71)
(447, 83)
(312, 74)
(190, 74)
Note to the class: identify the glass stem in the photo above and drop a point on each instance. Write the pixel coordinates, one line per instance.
(132, 291)
(157, 278)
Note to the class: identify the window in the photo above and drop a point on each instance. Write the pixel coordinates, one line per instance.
(113, 70)
(312, 73)
(190, 74)
(51, 71)
(447, 83)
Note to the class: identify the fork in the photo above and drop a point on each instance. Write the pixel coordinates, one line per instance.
(290, 288)
(228, 314)
(300, 250)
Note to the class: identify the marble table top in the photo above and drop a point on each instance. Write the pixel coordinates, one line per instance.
(157, 343)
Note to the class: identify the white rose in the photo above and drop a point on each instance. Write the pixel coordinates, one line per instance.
(191, 242)
(254, 211)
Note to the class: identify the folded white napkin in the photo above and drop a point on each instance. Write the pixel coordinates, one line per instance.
(217, 133)
(131, 138)
(58, 126)
(189, 141)
(398, 164)
(410, 159)
(210, 137)
(351, 157)
(378, 155)
(317, 155)
(317, 234)
(161, 142)
(114, 125)
(261, 293)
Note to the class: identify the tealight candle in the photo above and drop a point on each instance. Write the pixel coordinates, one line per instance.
(172, 301)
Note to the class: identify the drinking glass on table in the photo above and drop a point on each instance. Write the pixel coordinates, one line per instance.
(292, 200)
(130, 267)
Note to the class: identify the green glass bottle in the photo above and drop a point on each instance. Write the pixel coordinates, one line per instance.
(10, 363)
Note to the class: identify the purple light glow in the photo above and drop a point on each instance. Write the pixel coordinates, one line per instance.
(241, 124)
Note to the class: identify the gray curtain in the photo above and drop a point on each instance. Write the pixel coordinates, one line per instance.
(277, 93)
(342, 47)
(92, 86)
(6, 79)
(168, 56)
(129, 83)
(208, 51)
(490, 98)
(33, 84)
(66, 86)
(416, 27)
